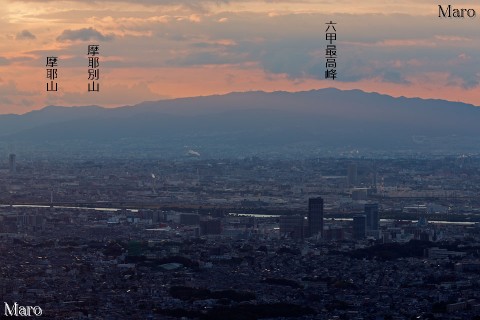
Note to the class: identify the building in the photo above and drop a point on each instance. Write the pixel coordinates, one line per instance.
(437, 253)
(12, 163)
(359, 194)
(315, 216)
(333, 234)
(359, 226)
(352, 175)
(31, 222)
(293, 226)
(211, 226)
(189, 219)
(373, 218)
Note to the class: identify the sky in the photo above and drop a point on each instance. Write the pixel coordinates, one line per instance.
(162, 49)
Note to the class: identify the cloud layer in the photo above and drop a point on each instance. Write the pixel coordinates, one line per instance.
(84, 34)
(169, 47)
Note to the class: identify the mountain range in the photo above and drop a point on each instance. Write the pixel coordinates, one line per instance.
(250, 123)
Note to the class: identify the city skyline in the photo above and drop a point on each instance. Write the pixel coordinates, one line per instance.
(160, 50)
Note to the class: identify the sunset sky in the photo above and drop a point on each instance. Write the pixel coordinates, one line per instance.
(160, 49)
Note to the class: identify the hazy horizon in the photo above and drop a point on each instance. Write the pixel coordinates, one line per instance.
(229, 93)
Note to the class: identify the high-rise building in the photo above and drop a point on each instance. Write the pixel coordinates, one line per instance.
(352, 174)
(359, 226)
(371, 213)
(11, 163)
(315, 216)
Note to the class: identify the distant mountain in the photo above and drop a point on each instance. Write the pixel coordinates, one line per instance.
(249, 123)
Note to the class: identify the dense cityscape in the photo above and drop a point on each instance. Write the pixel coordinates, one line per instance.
(239, 160)
(251, 238)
